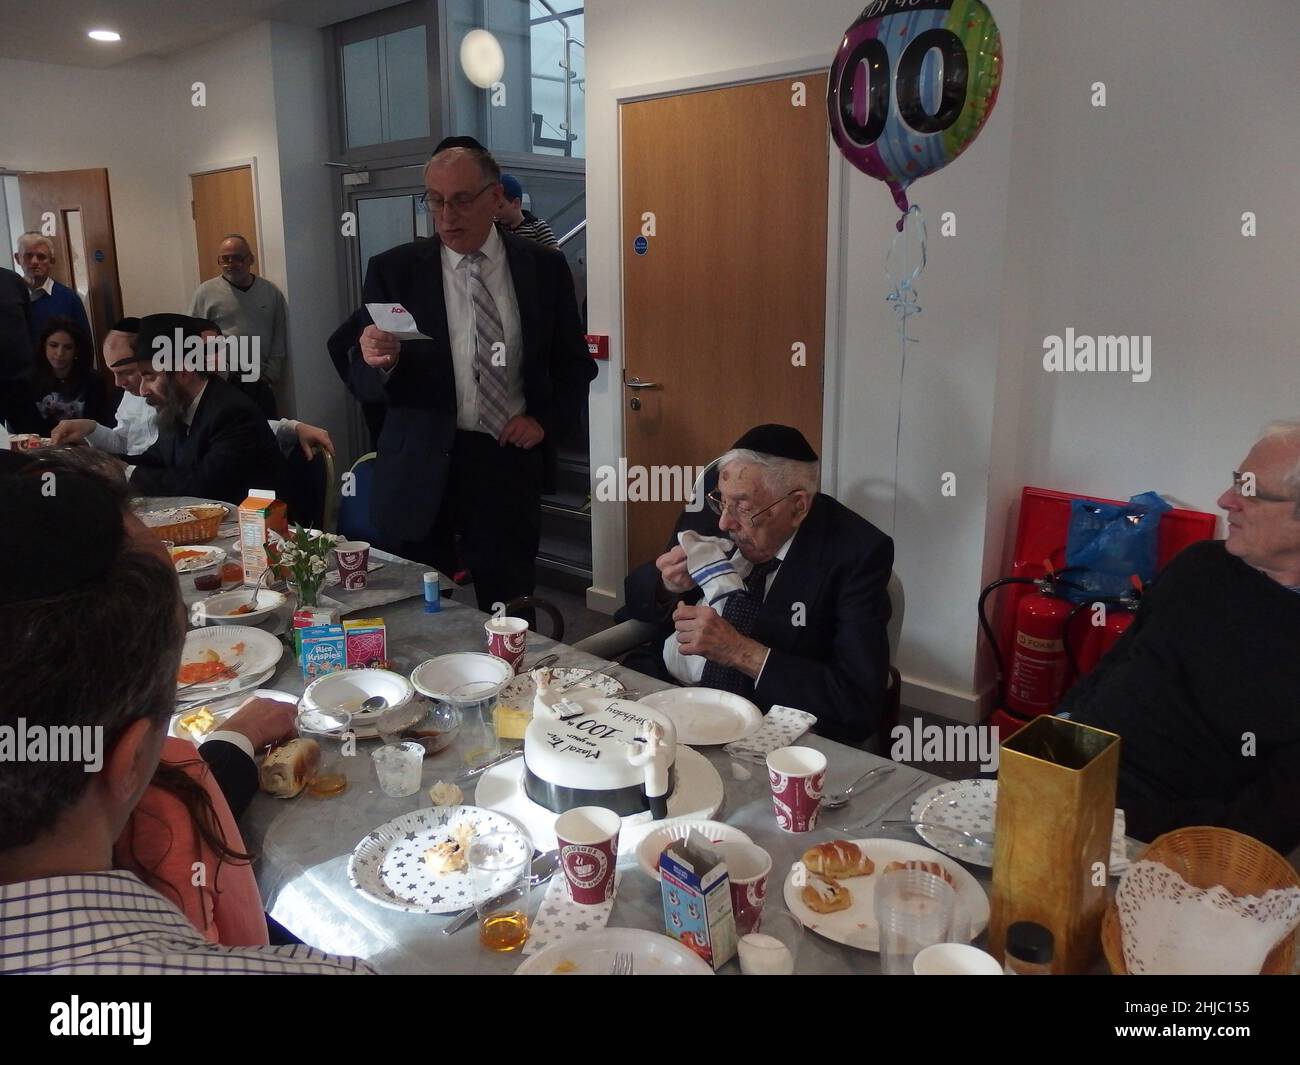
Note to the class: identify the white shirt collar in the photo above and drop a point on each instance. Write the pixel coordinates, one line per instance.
(493, 248)
(47, 288)
(192, 409)
(785, 547)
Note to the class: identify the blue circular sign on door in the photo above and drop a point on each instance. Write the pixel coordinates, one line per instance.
(99, 256)
(640, 245)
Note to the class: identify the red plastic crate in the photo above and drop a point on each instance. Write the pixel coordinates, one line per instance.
(1041, 535)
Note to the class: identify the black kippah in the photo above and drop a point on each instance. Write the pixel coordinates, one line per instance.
(62, 529)
(780, 441)
(458, 142)
(126, 325)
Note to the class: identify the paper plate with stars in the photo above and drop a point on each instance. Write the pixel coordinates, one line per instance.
(388, 866)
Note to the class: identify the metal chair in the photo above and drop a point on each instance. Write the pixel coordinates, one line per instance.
(534, 602)
(311, 491)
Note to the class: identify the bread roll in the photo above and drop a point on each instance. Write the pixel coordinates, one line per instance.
(839, 858)
(289, 768)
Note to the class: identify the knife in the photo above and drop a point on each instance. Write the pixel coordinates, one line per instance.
(466, 775)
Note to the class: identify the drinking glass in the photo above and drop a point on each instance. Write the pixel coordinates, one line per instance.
(398, 768)
(913, 911)
(499, 864)
(772, 949)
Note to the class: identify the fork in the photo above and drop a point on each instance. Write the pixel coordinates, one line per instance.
(235, 667)
(974, 840)
(622, 964)
(880, 812)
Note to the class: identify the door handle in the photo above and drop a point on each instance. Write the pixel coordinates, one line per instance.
(636, 382)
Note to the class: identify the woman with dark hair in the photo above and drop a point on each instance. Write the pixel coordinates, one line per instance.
(67, 385)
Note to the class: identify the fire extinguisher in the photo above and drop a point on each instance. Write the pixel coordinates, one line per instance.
(1083, 655)
(1035, 679)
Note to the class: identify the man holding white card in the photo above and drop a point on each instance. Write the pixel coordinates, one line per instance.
(475, 348)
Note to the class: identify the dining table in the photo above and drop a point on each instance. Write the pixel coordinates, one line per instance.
(303, 845)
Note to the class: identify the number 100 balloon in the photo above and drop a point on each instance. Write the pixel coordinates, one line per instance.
(912, 85)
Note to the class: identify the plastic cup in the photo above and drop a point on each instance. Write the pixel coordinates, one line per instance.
(398, 768)
(773, 948)
(499, 865)
(913, 911)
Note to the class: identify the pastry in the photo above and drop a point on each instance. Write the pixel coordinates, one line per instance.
(451, 855)
(289, 768)
(933, 868)
(822, 895)
(839, 858)
(444, 794)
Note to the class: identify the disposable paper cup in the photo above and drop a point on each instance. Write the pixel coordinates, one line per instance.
(748, 866)
(507, 639)
(354, 561)
(588, 838)
(797, 775)
(955, 959)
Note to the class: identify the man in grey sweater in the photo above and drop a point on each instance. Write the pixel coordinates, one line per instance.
(244, 305)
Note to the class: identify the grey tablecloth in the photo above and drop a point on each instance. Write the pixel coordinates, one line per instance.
(304, 843)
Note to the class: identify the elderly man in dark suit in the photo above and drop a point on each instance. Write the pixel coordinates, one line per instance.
(213, 441)
(17, 399)
(808, 629)
(473, 412)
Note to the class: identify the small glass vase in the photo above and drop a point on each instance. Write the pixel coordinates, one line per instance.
(308, 593)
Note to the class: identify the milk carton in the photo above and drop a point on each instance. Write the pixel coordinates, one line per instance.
(696, 896)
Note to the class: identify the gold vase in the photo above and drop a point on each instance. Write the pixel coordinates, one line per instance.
(1051, 854)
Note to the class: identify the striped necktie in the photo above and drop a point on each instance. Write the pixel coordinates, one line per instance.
(741, 611)
(489, 374)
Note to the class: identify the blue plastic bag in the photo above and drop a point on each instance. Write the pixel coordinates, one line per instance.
(1109, 542)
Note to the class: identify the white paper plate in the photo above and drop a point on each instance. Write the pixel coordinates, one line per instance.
(592, 954)
(388, 865)
(705, 717)
(972, 805)
(222, 714)
(260, 651)
(698, 795)
(856, 926)
(519, 693)
(211, 556)
(652, 846)
(237, 689)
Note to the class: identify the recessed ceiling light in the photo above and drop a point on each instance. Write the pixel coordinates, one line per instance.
(104, 35)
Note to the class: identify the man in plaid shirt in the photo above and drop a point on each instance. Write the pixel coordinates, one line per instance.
(91, 630)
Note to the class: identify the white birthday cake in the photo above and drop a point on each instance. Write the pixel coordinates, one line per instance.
(584, 752)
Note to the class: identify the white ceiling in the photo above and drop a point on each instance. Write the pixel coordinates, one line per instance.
(54, 31)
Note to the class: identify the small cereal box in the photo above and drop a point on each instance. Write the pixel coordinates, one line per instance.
(697, 899)
(367, 643)
(310, 617)
(322, 650)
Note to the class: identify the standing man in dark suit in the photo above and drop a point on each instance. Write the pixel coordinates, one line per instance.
(213, 441)
(473, 413)
(808, 629)
(17, 397)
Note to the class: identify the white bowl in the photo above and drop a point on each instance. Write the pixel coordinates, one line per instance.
(347, 689)
(955, 959)
(439, 678)
(657, 841)
(216, 609)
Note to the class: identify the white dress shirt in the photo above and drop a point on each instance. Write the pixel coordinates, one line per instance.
(495, 271)
(135, 432)
(689, 669)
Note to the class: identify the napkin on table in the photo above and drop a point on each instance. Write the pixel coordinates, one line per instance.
(559, 917)
(781, 727)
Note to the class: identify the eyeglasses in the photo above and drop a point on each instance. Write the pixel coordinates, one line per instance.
(1239, 479)
(461, 201)
(742, 512)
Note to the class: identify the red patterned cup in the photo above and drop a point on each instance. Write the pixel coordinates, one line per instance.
(748, 866)
(354, 562)
(796, 775)
(507, 639)
(588, 838)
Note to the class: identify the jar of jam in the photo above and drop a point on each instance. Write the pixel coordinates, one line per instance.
(1029, 950)
(208, 582)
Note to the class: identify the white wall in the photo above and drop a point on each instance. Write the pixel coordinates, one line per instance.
(1118, 220)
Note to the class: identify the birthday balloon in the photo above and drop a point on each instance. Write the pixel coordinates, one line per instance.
(912, 85)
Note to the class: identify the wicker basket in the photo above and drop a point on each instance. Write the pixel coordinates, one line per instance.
(203, 526)
(1206, 857)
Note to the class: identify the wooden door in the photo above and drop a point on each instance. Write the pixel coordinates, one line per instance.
(222, 204)
(734, 277)
(77, 205)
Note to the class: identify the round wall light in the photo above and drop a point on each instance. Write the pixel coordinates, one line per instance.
(104, 35)
(482, 59)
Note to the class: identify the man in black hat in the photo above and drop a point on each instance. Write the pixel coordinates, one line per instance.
(807, 629)
(213, 441)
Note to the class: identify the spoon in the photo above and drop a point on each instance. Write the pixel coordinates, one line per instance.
(373, 705)
(834, 802)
